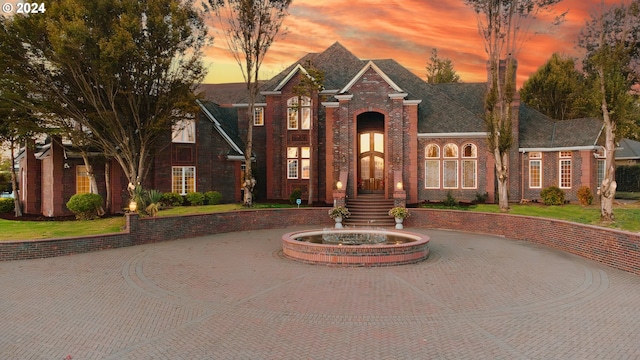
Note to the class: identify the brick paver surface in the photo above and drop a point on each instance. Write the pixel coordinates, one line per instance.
(233, 296)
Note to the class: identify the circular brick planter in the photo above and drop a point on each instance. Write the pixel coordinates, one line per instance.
(417, 249)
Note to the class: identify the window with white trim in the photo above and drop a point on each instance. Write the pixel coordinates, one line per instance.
(432, 167)
(298, 162)
(184, 131)
(258, 116)
(535, 170)
(299, 113)
(450, 167)
(469, 166)
(601, 171)
(565, 169)
(183, 179)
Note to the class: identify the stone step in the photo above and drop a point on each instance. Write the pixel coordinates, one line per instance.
(371, 210)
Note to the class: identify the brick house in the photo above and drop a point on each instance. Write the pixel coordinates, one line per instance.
(375, 128)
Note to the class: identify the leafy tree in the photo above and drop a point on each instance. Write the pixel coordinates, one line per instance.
(503, 26)
(440, 71)
(310, 84)
(558, 90)
(17, 122)
(611, 39)
(125, 70)
(250, 26)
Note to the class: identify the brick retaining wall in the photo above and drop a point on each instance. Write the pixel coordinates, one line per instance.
(618, 249)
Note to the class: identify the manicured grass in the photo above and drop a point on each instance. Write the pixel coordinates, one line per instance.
(33, 230)
(627, 215)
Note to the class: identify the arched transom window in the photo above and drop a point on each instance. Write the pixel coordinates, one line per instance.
(455, 167)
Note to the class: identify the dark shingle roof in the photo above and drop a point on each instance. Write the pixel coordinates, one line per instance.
(628, 149)
(540, 131)
(228, 120)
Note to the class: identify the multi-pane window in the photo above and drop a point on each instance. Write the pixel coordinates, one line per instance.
(457, 169)
(565, 169)
(432, 167)
(469, 166)
(258, 116)
(450, 166)
(535, 170)
(298, 162)
(601, 171)
(83, 185)
(183, 179)
(184, 131)
(299, 113)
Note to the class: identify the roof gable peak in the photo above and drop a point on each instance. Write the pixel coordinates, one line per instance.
(371, 65)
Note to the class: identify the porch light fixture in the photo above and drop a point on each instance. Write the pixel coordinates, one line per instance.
(133, 206)
(399, 185)
(339, 185)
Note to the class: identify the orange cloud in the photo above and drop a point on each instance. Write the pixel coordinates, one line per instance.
(405, 31)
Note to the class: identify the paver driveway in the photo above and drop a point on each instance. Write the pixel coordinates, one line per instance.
(233, 296)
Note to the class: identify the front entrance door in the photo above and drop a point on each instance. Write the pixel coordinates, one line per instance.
(371, 162)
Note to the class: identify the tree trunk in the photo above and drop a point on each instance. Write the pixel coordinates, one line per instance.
(93, 184)
(502, 177)
(607, 190)
(107, 181)
(14, 183)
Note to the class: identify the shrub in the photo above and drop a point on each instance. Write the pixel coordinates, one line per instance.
(154, 196)
(172, 199)
(212, 198)
(85, 206)
(450, 200)
(552, 195)
(585, 196)
(481, 198)
(6, 205)
(295, 195)
(195, 198)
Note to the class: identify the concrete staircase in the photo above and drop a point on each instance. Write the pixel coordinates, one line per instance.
(370, 210)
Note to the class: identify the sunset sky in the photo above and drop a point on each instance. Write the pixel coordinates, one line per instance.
(404, 30)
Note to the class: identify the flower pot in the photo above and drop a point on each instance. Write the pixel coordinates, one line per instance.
(338, 220)
(399, 223)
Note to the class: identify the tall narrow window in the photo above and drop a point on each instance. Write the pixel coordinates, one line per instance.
(292, 163)
(183, 179)
(299, 113)
(469, 166)
(535, 170)
(601, 171)
(432, 167)
(305, 162)
(258, 116)
(184, 131)
(565, 169)
(450, 167)
(83, 185)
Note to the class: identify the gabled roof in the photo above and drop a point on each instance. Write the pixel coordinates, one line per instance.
(371, 65)
(225, 122)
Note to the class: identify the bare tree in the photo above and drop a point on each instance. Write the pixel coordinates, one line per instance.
(611, 39)
(503, 26)
(250, 27)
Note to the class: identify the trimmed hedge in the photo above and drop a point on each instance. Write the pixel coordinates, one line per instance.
(6, 205)
(212, 198)
(85, 206)
(552, 195)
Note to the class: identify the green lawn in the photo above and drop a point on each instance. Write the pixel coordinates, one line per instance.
(32, 230)
(627, 218)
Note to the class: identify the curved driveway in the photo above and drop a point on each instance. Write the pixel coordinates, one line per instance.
(233, 296)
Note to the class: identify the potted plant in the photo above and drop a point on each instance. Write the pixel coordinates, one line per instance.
(338, 213)
(399, 213)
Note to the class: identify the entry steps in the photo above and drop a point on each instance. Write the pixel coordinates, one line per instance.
(369, 210)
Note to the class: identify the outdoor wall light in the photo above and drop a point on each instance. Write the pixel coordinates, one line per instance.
(339, 185)
(399, 185)
(133, 206)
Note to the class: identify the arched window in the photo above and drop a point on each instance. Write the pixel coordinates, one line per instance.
(450, 166)
(299, 113)
(469, 166)
(432, 166)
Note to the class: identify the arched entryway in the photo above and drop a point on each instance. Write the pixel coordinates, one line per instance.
(371, 148)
